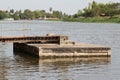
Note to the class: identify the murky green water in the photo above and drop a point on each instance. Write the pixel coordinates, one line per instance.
(19, 66)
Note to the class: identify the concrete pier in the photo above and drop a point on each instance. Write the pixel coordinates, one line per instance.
(53, 50)
(62, 48)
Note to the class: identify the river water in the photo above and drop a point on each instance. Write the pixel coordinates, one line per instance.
(20, 66)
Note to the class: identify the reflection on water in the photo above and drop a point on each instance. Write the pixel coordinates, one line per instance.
(74, 61)
(2, 64)
(55, 68)
(2, 71)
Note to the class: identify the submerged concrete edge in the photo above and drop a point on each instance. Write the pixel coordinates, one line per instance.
(49, 52)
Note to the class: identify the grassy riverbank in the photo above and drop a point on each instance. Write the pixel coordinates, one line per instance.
(93, 20)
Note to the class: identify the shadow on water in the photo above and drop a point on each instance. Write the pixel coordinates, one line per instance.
(33, 60)
(2, 64)
(26, 59)
(60, 68)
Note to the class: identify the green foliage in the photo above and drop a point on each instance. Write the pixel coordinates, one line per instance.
(3, 15)
(95, 10)
(30, 15)
(97, 20)
(16, 16)
(57, 14)
(37, 14)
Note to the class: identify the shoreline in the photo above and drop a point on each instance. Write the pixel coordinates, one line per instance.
(93, 20)
(82, 20)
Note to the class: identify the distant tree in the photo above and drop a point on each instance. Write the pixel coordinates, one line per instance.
(79, 12)
(57, 14)
(87, 12)
(37, 14)
(11, 10)
(28, 14)
(65, 15)
(42, 13)
(50, 9)
(16, 15)
(75, 16)
(3, 14)
(47, 15)
(94, 9)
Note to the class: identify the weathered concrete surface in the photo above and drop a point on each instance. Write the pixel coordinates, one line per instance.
(49, 39)
(64, 50)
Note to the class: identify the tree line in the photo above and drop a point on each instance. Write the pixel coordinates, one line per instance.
(31, 15)
(94, 9)
(99, 10)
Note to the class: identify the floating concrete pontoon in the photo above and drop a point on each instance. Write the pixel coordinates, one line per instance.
(64, 48)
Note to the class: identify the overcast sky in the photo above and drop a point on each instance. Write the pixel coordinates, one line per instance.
(67, 6)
